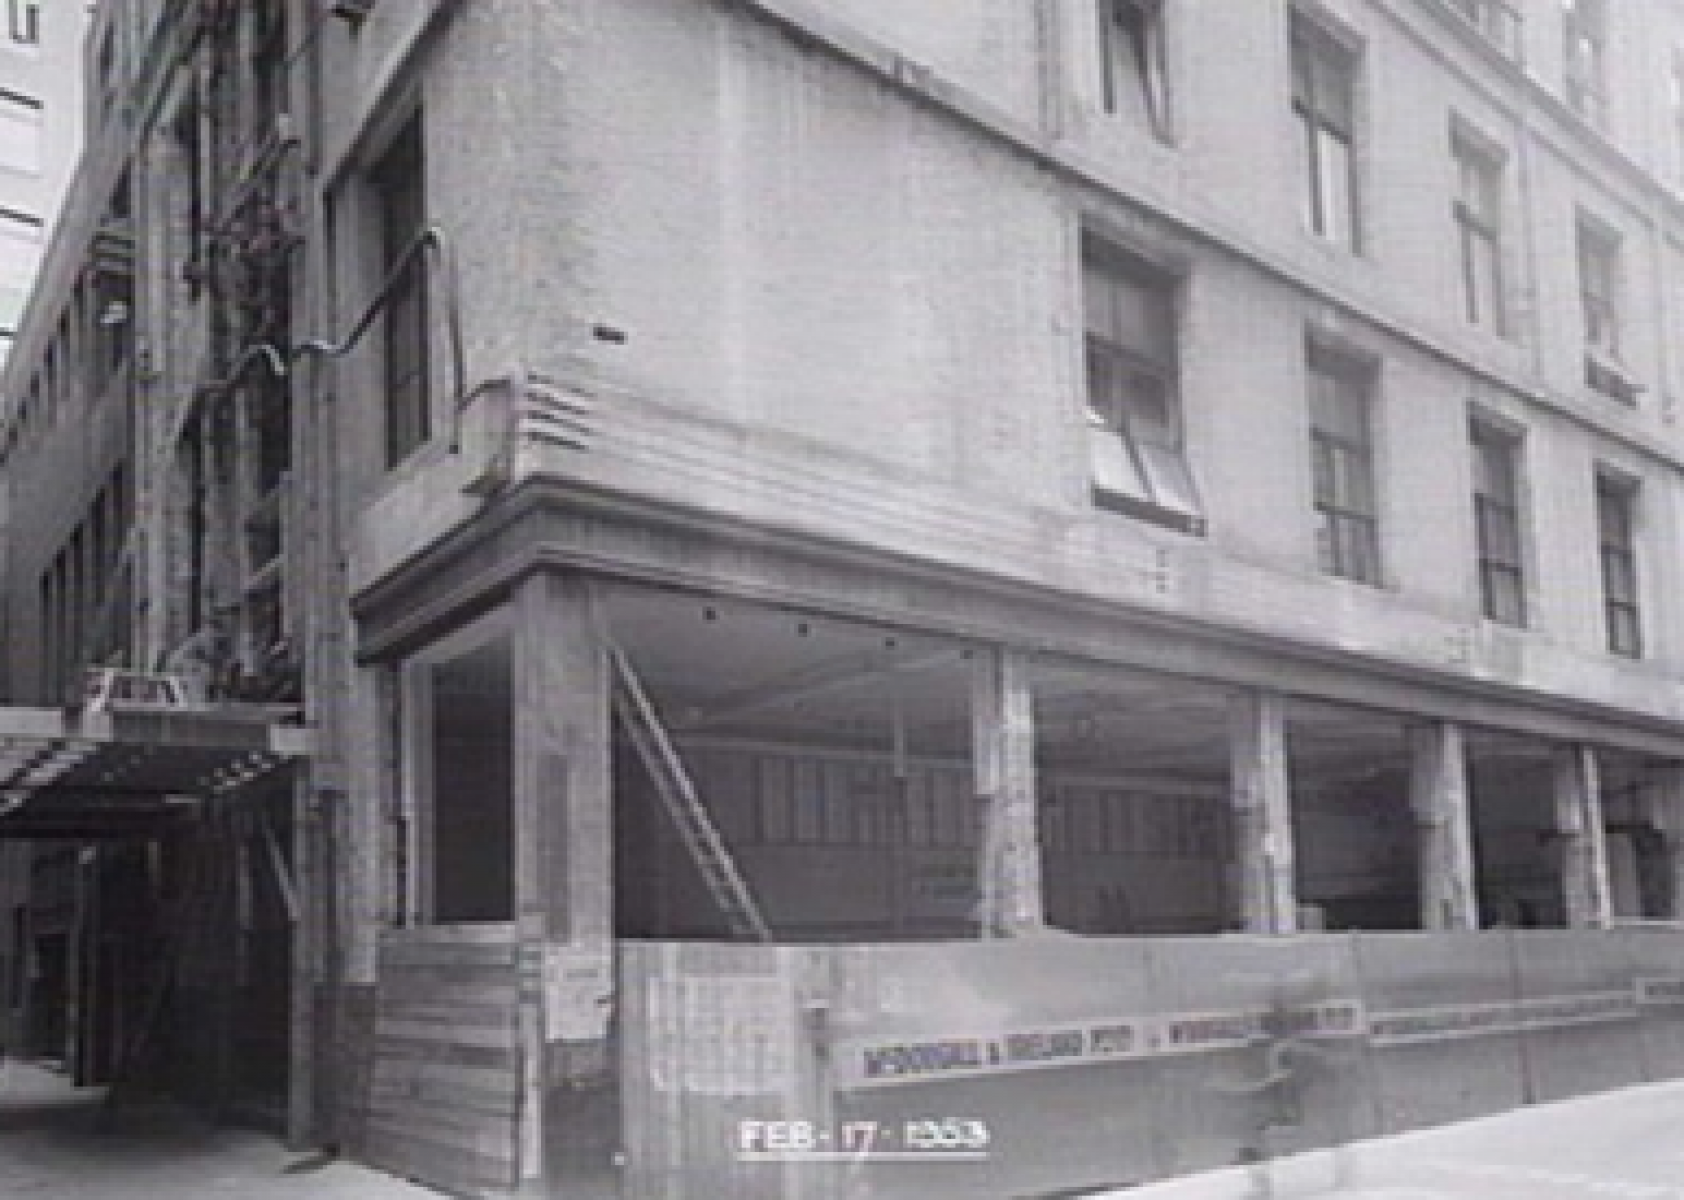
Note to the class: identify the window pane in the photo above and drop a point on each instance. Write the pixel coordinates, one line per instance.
(1171, 482)
(1484, 281)
(1337, 196)
(1504, 597)
(20, 134)
(471, 751)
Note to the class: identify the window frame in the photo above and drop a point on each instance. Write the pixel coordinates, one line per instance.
(1478, 213)
(1499, 516)
(1137, 464)
(1314, 52)
(1584, 25)
(417, 903)
(1141, 44)
(1598, 255)
(1336, 456)
(23, 22)
(1617, 497)
(398, 190)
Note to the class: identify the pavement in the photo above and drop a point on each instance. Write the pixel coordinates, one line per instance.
(53, 1147)
(1623, 1145)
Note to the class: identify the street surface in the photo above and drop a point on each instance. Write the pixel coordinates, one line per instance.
(50, 1149)
(1625, 1145)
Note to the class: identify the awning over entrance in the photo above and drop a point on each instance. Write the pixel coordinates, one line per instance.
(78, 774)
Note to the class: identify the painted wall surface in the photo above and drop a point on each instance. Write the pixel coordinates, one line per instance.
(850, 315)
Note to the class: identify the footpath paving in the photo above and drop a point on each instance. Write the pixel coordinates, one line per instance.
(1624, 1145)
(52, 1148)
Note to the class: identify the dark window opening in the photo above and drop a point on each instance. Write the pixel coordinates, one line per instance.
(1324, 103)
(1342, 463)
(1616, 504)
(1133, 73)
(1133, 405)
(399, 183)
(1496, 497)
(467, 782)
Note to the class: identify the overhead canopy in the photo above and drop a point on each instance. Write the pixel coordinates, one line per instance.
(75, 775)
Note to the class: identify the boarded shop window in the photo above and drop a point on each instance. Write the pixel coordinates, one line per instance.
(1616, 505)
(1133, 401)
(459, 706)
(1133, 78)
(1342, 462)
(1324, 105)
(1496, 499)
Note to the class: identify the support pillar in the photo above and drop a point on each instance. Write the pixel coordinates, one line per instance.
(1262, 807)
(1003, 746)
(564, 886)
(1584, 849)
(1438, 796)
(1666, 814)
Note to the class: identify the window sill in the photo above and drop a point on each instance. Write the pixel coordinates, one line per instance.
(1606, 377)
(1171, 519)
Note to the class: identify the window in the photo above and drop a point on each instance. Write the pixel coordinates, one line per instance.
(1478, 213)
(398, 182)
(1616, 504)
(20, 132)
(1342, 466)
(1599, 301)
(1675, 107)
(1133, 73)
(1496, 498)
(1585, 35)
(23, 22)
(1133, 410)
(1324, 103)
(1497, 20)
(459, 757)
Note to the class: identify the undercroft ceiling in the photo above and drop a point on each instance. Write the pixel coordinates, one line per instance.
(728, 670)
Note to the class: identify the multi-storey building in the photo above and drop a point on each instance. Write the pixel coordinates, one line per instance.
(40, 138)
(899, 483)
(41, 104)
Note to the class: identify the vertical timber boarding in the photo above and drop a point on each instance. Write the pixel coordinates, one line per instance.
(1438, 783)
(1578, 823)
(564, 890)
(1262, 807)
(1003, 741)
(446, 1089)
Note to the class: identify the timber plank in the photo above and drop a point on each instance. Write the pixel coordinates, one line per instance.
(450, 1016)
(392, 1097)
(431, 1051)
(491, 1139)
(482, 956)
(501, 1037)
(451, 1075)
(452, 1168)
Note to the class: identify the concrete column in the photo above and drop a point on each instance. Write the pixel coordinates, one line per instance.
(1438, 795)
(1262, 806)
(564, 884)
(1003, 748)
(1584, 851)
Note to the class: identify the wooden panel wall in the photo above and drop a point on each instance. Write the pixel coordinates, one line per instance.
(445, 1094)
